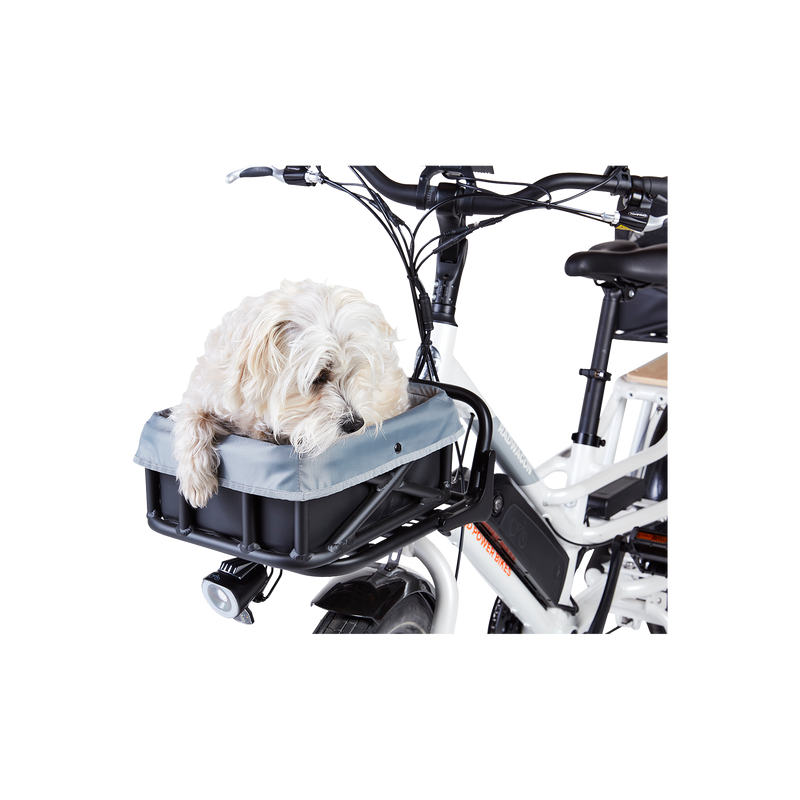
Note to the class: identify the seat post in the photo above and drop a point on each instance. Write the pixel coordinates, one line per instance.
(597, 375)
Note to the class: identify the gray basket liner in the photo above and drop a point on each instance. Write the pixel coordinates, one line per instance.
(276, 471)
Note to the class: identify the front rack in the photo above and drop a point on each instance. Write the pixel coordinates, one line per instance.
(341, 533)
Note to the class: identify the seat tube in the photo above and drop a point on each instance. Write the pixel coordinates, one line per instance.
(597, 375)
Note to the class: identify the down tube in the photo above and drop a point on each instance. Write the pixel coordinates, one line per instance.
(534, 617)
(509, 454)
(506, 585)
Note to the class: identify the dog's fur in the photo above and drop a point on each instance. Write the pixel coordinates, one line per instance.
(303, 365)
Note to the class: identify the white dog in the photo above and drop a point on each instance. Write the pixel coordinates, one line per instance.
(303, 365)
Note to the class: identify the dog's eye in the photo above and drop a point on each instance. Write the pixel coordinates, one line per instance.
(322, 378)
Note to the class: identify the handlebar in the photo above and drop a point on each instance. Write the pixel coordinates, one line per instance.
(427, 197)
(464, 199)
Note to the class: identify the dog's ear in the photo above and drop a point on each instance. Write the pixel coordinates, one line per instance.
(269, 350)
(258, 359)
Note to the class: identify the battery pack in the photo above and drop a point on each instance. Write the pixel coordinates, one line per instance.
(615, 497)
(517, 531)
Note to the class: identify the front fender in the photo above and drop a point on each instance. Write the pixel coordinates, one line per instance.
(372, 592)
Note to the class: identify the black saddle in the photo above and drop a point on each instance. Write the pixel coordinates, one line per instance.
(621, 260)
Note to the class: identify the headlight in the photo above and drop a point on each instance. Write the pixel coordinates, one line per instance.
(233, 586)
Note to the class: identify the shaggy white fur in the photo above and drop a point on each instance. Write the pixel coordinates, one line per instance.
(303, 365)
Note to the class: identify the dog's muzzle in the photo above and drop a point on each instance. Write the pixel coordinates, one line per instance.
(351, 424)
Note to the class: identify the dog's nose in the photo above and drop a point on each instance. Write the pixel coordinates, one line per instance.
(351, 424)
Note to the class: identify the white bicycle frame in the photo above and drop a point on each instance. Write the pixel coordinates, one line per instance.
(638, 597)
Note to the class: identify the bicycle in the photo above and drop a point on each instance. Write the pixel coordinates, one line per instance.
(526, 539)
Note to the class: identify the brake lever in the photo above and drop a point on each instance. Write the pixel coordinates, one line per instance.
(636, 213)
(294, 176)
(254, 172)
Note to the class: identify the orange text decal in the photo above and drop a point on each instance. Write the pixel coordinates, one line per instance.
(485, 544)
